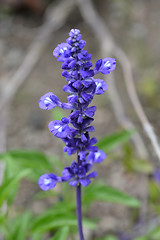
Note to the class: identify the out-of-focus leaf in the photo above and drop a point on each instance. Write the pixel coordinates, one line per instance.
(62, 214)
(46, 194)
(61, 234)
(37, 236)
(49, 217)
(62, 221)
(110, 237)
(11, 170)
(139, 165)
(153, 191)
(110, 142)
(56, 163)
(11, 183)
(4, 230)
(55, 222)
(141, 238)
(21, 226)
(89, 223)
(22, 159)
(102, 192)
(154, 234)
(58, 114)
(149, 86)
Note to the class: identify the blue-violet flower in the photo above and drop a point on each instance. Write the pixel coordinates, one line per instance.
(74, 130)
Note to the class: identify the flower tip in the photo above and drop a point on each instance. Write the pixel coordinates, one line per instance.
(47, 182)
(49, 101)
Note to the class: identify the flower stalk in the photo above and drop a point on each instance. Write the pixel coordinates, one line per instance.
(79, 212)
(75, 129)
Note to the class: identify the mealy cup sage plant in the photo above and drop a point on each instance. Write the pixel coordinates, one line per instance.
(74, 130)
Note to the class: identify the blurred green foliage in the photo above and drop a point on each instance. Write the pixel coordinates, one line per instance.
(58, 221)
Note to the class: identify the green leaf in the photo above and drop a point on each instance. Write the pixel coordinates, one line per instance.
(55, 222)
(151, 235)
(89, 223)
(102, 192)
(61, 234)
(154, 234)
(110, 142)
(153, 191)
(109, 237)
(57, 212)
(4, 230)
(139, 165)
(10, 171)
(22, 159)
(11, 183)
(37, 236)
(141, 238)
(62, 214)
(21, 226)
(58, 114)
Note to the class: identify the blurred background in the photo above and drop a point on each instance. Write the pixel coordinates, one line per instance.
(134, 25)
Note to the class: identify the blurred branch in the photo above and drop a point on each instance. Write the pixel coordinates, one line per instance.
(100, 30)
(108, 45)
(55, 18)
(122, 119)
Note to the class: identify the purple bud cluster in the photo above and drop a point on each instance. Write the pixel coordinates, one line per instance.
(74, 130)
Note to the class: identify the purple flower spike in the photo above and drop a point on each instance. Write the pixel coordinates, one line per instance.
(74, 130)
(47, 181)
(49, 101)
(101, 86)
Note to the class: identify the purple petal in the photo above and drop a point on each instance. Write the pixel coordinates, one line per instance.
(59, 129)
(66, 106)
(101, 86)
(85, 182)
(72, 98)
(73, 183)
(82, 155)
(99, 156)
(46, 182)
(61, 51)
(86, 96)
(87, 82)
(90, 129)
(77, 84)
(93, 141)
(98, 64)
(49, 101)
(90, 111)
(108, 65)
(92, 175)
